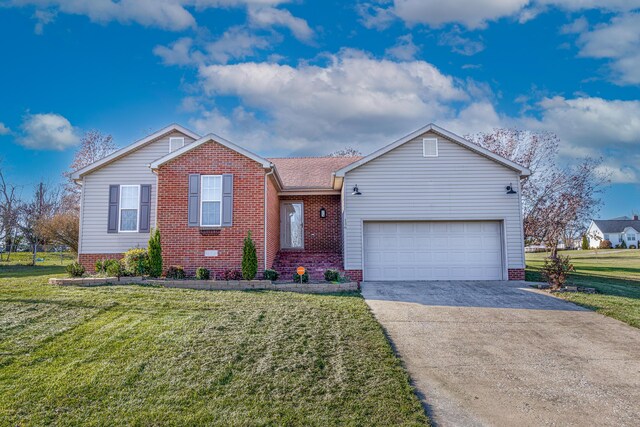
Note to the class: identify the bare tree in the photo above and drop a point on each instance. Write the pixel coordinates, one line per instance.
(346, 152)
(94, 146)
(42, 206)
(555, 200)
(9, 212)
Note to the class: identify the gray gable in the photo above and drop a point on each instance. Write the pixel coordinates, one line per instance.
(616, 225)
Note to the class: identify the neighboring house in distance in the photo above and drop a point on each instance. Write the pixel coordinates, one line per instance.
(615, 230)
(430, 206)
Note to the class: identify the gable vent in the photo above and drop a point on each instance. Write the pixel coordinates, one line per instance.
(430, 147)
(175, 144)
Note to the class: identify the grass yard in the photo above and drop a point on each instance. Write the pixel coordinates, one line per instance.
(153, 356)
(615, 273)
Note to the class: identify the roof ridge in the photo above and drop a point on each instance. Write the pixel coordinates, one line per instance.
(316, 157)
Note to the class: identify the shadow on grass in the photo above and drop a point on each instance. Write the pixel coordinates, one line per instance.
(604, 285)
(22, 271)
(608, 269)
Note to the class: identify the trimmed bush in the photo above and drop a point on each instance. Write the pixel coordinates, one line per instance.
(632, 246)
(155, 254)
(249, 258)
(271, 275)
(99, 266)
(176, 272)
(114, 268)
(136, 262)
(202, 273)
(231, 274)
(605, 244)
(332, 275)
(585, 242)
(556, 269)
(103, 264)
(305, 277)
(75, 269)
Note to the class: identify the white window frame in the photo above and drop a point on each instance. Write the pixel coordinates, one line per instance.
(631, 237)
(120, 230)
(202, 200)
(424, 151)
(175, 138)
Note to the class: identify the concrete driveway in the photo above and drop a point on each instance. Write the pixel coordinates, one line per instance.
(497, 353)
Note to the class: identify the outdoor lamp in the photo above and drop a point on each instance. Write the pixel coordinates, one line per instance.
(323, 213)
(356, 192)
(510, 189)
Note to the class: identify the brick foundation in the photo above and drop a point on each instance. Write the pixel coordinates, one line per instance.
(88, 261)
(516, 274)
(355, 275)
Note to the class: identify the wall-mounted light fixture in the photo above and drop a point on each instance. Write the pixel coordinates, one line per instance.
(510, 189)
(356, 192)
(323, 213)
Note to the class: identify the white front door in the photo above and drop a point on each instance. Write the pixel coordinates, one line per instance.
(292, 225)
(433, 250)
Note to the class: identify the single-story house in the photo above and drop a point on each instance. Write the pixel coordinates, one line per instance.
(616, 231)
(429, 206)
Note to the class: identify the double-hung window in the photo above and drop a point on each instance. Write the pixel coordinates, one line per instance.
(129, 205)
(211, 201)
(631, 237)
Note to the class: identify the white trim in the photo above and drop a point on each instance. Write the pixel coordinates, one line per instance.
(176, 138)
(451, 136)
(208, 138)
(424, 151)
(120, 230)
(202, 200)
(284, 202)
(132, 147)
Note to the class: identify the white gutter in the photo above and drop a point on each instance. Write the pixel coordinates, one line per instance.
(266, 177)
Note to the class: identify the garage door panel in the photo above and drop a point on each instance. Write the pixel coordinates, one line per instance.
(433, 250)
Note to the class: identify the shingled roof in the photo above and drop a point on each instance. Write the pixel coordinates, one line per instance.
(616, 225)
(310, 172)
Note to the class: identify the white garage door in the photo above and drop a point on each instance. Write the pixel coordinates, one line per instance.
(432, 250)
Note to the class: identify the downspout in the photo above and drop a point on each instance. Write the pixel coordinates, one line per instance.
(266, 177)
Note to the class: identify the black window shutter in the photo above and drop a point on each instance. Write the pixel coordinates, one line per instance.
(145, 208)
(227, 200)
(194, 200)
(112, 213)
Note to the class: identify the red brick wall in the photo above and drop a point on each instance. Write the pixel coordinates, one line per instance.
(321, 234)
(88, 261)
(516, 274)
(355, 275)
(273, 222)
(184, 245)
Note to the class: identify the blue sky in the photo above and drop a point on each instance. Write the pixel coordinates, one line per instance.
(307, 77)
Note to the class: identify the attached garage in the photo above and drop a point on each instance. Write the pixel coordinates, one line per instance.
(433, 250)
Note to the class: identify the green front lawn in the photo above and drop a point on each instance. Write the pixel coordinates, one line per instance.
(155, 356)
(615, 273)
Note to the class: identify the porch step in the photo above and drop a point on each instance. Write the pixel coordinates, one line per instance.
(315, 263)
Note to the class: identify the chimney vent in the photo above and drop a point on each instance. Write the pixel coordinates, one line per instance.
(635, 217)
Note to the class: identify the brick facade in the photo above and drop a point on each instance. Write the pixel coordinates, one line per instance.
(184, 245)
(516, 274)
(321, 234)
(88, 261)
(355, 275)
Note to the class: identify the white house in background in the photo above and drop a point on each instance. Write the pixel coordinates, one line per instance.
(615, 230)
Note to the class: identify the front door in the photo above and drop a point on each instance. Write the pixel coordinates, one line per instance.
(292, 225)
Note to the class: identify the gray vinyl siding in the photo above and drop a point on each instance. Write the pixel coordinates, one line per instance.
(130, 169)
(459, 184)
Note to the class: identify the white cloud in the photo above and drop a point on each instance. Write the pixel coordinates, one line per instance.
(4, 130)
(47, 132)
(42, 17)
(459, 44)
(476, 14)
(577, 26)
(166, 14)
(404, 49)
(354, 98)
(267, 17)
(619, 41)
(177, 53)
(591, 122)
